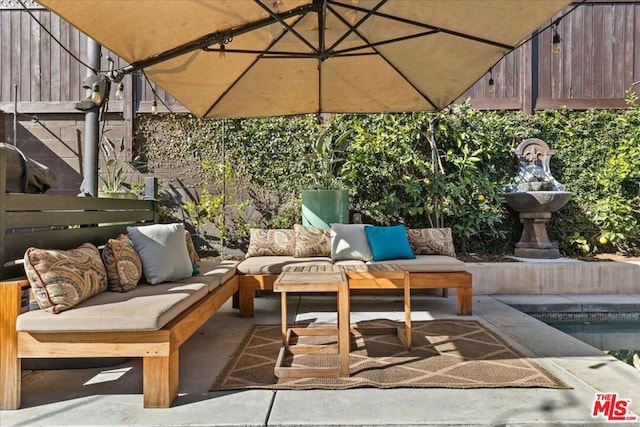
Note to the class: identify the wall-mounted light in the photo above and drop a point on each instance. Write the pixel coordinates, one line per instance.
(222, 54)
(120, 92)
(555, 40)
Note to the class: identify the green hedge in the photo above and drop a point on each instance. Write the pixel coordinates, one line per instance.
(429, 169)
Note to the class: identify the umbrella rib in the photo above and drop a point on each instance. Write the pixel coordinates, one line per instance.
(384, 42)
(293, 55)
(322, 21)
(255, 60)
(352, 28)
(425, 25)
(208, 40)
(424, 96)
(311, 8)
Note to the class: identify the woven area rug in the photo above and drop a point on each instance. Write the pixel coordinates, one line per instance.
(445, 354)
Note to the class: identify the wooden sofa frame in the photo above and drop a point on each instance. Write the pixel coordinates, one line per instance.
(249, 284)
(65, 222)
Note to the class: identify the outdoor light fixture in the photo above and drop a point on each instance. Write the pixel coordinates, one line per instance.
(222, 53)
(555, 41)
(154, 107)
(96, 98)
(492, 83)
(120, 92)
(99, 86)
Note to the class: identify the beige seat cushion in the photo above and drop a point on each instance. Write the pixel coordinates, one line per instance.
(144, 308)
(275, 264)
(350, 262)
(213, 271)
(428, 264)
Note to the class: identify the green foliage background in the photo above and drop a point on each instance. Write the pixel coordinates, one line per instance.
(395, 176)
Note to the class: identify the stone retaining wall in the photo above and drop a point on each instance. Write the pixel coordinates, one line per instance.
(549, 278)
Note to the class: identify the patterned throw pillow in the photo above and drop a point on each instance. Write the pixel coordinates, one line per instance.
(62, 279)
(122, 263)
(193, 255)
(431, 241)
(276, 242)
(312, 241)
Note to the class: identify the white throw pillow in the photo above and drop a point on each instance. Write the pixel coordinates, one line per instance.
(163, 251)
(349, 241)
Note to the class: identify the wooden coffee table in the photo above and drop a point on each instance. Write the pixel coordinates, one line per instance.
(383, 276)
(315, 279)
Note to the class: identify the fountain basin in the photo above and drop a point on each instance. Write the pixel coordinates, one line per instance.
(537, 201)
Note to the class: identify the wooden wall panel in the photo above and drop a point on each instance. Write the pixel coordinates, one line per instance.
(41, 69)
(599, 60)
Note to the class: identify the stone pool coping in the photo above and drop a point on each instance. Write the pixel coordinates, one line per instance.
(578, 303)
(563, 276)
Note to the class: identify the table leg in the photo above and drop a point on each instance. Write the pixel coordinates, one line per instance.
(344, 329)
(407, 310)
(283, 314)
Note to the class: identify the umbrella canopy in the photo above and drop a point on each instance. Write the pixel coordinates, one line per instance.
(248, 58)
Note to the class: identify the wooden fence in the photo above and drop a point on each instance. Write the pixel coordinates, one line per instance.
(59, 221)
(598, 61)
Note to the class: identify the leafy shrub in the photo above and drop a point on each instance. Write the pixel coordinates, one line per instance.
(428, 169)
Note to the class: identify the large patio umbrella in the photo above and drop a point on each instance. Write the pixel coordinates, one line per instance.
(243, 58)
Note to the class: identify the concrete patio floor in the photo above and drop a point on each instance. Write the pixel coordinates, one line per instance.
(112, 395)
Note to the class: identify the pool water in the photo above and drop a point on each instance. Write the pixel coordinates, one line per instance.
(621, 340)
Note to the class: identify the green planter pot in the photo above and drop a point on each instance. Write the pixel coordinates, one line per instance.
(321, 208)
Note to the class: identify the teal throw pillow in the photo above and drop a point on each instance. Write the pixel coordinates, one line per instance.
(388, 243)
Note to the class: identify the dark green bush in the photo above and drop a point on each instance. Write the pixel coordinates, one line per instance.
(432, 169)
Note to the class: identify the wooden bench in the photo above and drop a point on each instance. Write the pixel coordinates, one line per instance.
(461, 281)
(65, 222)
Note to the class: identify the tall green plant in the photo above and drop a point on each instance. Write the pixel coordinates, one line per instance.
(113, 173)
(386, 168)
(598, 159)
(616, 211)
(326, 159)
(220, 209)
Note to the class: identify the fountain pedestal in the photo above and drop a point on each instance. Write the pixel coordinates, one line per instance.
(534, 242)
(535, 195)
(535, 209)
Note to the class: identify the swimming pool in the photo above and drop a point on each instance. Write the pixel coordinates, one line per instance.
(617, 334)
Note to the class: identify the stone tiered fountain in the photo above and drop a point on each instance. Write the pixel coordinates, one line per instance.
(535, 195)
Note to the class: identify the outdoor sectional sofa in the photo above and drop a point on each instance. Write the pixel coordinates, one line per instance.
(152, 321)
(149, 320)
(433, 266)
(81, 315)
(146, 320)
